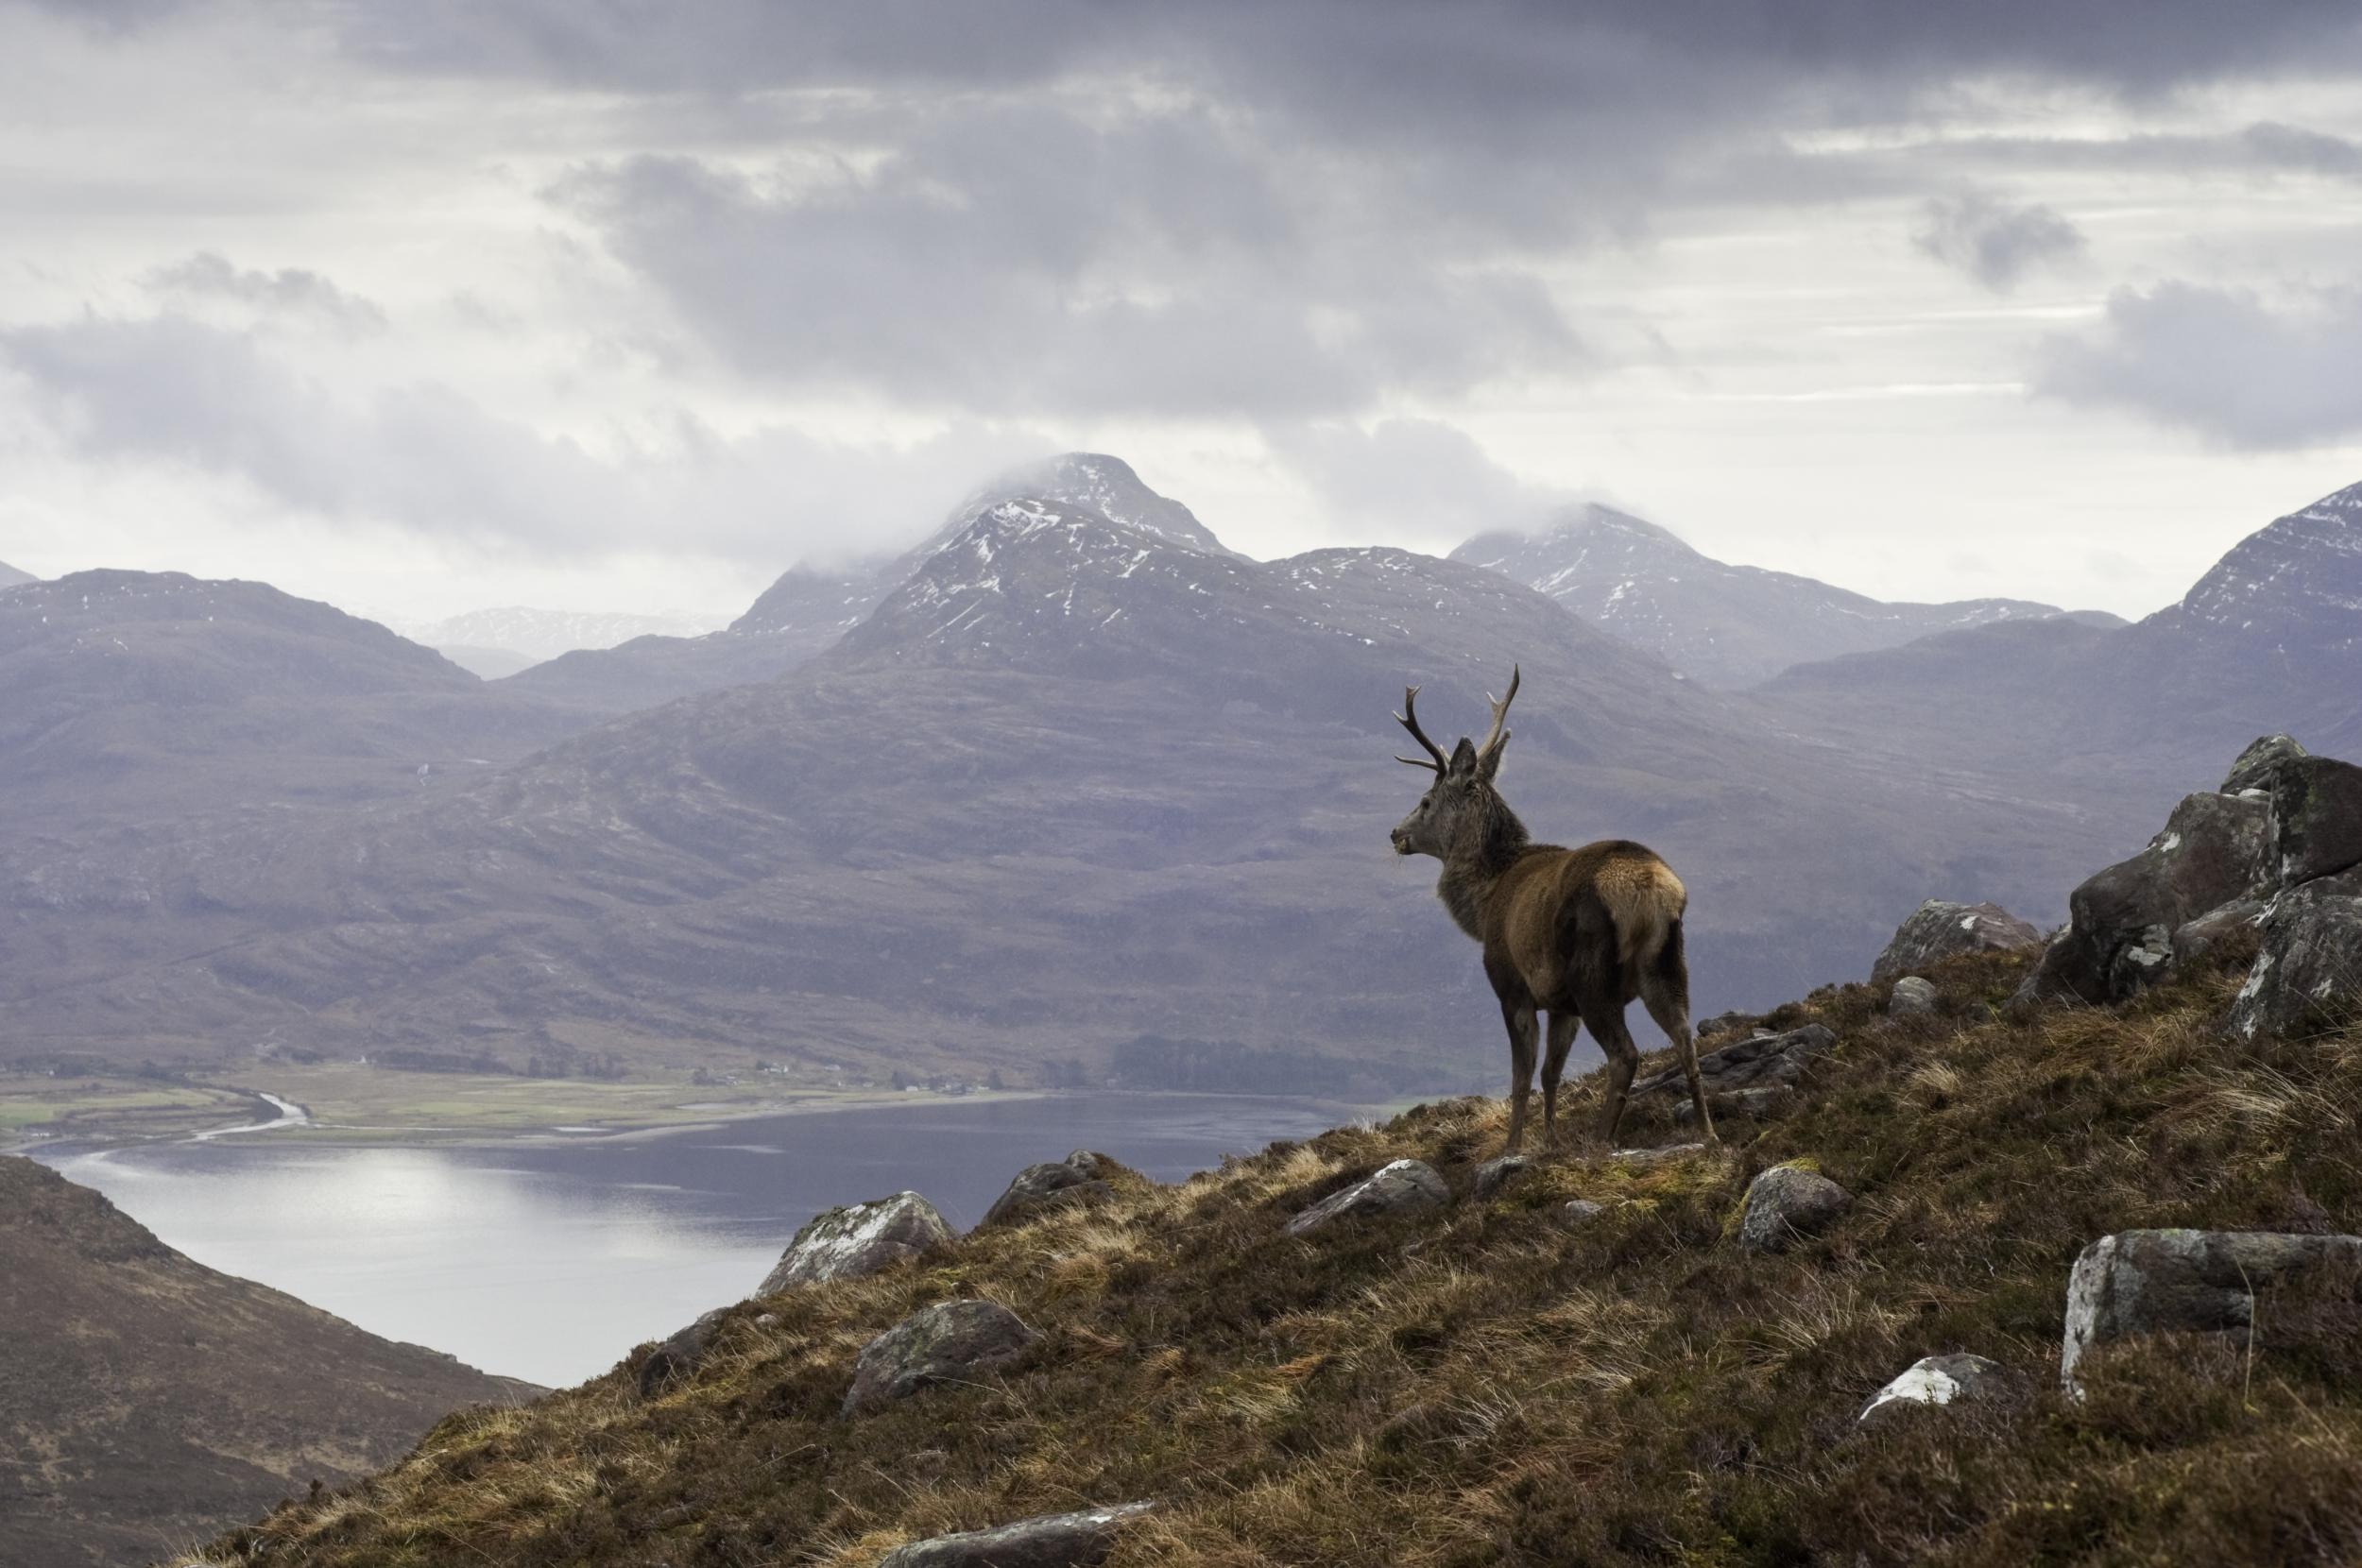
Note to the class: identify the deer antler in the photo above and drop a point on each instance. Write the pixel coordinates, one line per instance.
(1488, 755)
(1408, 718)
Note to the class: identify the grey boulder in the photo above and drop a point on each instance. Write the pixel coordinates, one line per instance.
(1039, 1188)
(1911, 997)
(1401, 1188)
(1578, 1212)
(1052, 1541)
(1665, 1154)
(1786, 1202)
(948, 1341)
(681, 1356)
(2151, 1282)
(2259, 766)
(2194, 939)
(1936, 930)
(2308, 975)
(1496, 1173)
(2318, 802)
(1762, 1061)
(856, 1239)
(1935, 1380)
(2213, 851)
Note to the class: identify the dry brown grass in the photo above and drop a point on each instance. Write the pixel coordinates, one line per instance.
(1483, 1386)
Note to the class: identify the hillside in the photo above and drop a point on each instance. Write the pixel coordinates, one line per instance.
(143, 696)
(10, 577)
(1509, 1380)
(1069, 785)
(1727, 625)
(2270, 638)
(146, 1401)
(534, 634)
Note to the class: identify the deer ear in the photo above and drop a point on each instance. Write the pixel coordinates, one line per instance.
(1463, 756)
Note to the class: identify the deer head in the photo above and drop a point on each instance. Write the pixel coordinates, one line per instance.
(1461, 809)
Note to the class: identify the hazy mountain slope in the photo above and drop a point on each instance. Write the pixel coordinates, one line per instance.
(153, 694)
(146, 1401)
(2270, 639)
(10, 577)
(1726, 625)
(1069, 785)
(486, 663)
(539, 634)
(809, 606)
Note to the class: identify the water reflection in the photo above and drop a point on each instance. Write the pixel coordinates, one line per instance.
(549, 1261)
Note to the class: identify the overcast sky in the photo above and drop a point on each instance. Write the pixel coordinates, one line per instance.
(420, 305)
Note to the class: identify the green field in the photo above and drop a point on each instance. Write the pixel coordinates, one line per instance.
(109, 1108)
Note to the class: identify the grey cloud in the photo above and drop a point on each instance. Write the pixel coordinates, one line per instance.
(1411, 478)
(173, 390)
(2267, 148)
(2221, 362)
(1994, 242)
(206, 275)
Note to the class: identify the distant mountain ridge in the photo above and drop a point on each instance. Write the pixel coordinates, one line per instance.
(10, 577)
(153, 1400)
(1727, 625)
(540, 633)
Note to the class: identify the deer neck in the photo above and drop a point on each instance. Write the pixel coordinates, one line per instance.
(1474, 868)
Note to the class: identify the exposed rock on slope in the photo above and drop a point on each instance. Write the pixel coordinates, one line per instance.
(145, 1399)
(1727, 625)
(1936, 930)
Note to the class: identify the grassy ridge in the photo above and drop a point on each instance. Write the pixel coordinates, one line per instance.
(1483, 1386)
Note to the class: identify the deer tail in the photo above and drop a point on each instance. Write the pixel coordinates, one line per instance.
(1646, 900)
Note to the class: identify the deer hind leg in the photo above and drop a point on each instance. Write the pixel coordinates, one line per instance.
(1563, 1022)
(1606, 1023)
(1519, 1017)
(1664, 982)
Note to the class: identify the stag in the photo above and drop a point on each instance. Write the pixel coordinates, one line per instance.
(1576, 932)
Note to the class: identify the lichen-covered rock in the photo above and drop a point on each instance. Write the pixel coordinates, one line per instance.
(1578, 1212)
(1788, 1202)
(1052, 1541)
(1039, 1188)
(1401, 1188)
(2151, 1282)
(1496, 1173)
(2194, 939)
(950, 1341)
(2258, 767)
(681, 1356)
(1663, 1155)
(1937, 1380)
(856, 1239)
(2214, 850)
(1760, 1103)
(1912, 996)
(2307, 977)
(1762, 1061)
(1936, 930)
(2318, 804)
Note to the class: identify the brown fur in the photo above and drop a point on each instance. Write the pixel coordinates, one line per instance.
(1578, 933)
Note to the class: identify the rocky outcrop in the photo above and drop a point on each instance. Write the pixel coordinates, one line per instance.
(2195, 939)
(1496, 1173)
(1763, 1061)
(1039, 1188)
(1936, 930)
(1786, 1203)
(2258, 767)
(1937, 1380)
(2308, 977)
(2214, 850)
(2317, 803)
(948, 1341)
(857, 1239)
(1052, 1541)
(681, 1356)
(1911, 997)
(2149, 1282)
(1401, 1187)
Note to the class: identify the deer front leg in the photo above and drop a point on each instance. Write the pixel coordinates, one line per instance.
(1563, 1022)
(1521, 1020)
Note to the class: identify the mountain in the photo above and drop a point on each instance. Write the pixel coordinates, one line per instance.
(486, 663)
(811, 606)
(10, 577)
(535, 635)
(1594, 1360)
(158, 696)
(1726, 625)
(145, 1400)
(1069, 789)
(2268, 640)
